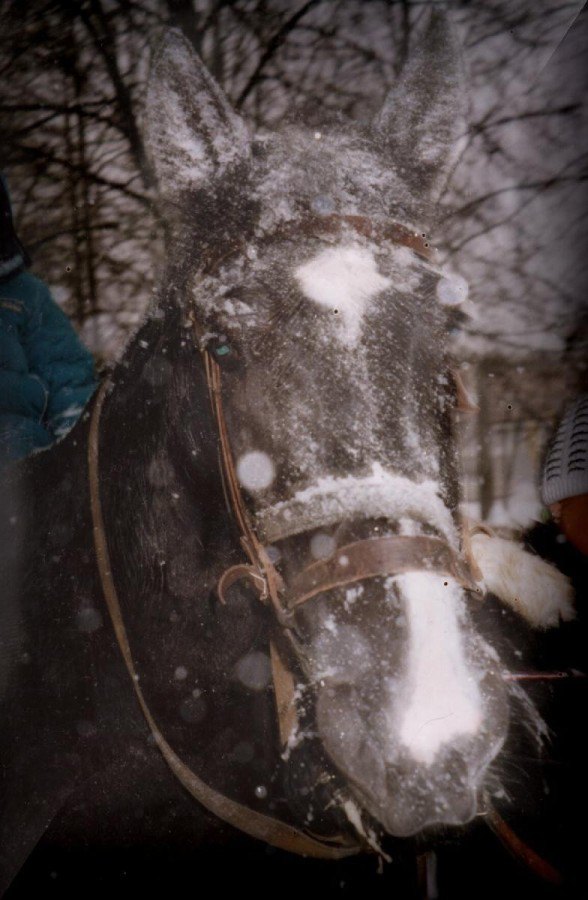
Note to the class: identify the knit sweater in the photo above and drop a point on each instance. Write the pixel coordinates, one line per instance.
(565, 473)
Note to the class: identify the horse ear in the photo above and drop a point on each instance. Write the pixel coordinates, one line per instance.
(192, 133)
(422, 118)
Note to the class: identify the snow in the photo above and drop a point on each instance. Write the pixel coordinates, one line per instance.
(443, 700)
(343, 280)
(182, 91)
(255, 470)
(331, 625)
(341, 653)
(353, 813)
(381, 494)
(340, 163)
(351, 595)
(322, 205)
(72, 412)
(189, 151)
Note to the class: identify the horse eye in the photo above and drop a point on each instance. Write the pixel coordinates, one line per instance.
(223, 351)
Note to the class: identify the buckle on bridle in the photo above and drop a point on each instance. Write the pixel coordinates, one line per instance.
(243, 572)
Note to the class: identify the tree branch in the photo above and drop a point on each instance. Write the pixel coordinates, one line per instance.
(273, 46)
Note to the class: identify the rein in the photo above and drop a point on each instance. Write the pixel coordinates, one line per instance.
(257, 825)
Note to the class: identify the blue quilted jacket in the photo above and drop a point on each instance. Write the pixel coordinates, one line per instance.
(46, 374)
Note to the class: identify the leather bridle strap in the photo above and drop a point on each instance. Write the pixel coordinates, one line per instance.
(263, 574)
(253, 823)
(541, 867)
(389, 555)
(378, 231)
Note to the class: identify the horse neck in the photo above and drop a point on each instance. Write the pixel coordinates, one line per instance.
(161, 486)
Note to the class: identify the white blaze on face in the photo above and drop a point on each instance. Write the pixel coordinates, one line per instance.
(344, 279)
(442, 699)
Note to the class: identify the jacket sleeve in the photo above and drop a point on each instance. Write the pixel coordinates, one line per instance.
(58, 357)
(23, 395)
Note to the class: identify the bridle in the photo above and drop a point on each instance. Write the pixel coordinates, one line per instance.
(372, 557)
(382, 556)
(265, 828)
(388, 555)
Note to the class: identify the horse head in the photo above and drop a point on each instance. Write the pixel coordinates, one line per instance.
(301, 262)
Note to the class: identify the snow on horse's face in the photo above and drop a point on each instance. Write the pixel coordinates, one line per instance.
(337, 399)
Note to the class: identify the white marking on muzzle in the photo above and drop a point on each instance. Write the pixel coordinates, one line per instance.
(441, 699)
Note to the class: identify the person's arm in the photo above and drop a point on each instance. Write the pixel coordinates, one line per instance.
(59, 358)
(23, 395)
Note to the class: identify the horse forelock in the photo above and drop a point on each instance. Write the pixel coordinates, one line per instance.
(338, 169)
(290, 174)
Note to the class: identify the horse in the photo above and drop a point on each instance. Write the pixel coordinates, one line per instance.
(259, 510)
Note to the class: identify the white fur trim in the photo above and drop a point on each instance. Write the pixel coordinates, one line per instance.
(532, 587)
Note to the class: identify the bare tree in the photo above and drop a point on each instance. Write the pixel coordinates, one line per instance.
(73, 77)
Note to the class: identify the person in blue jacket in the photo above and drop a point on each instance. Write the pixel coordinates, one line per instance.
(46, 374)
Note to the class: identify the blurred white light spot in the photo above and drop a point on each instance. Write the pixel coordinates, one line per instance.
(89, 620)
(85, 729)
(322, 545)
(322, 204)
(243, 752)
(193, 709)
(452, 291)
(273, 553)
(181, 673)
(255, 470)
(261, 791)
(254, 671)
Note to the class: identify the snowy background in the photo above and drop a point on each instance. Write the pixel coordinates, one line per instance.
(72, 88)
